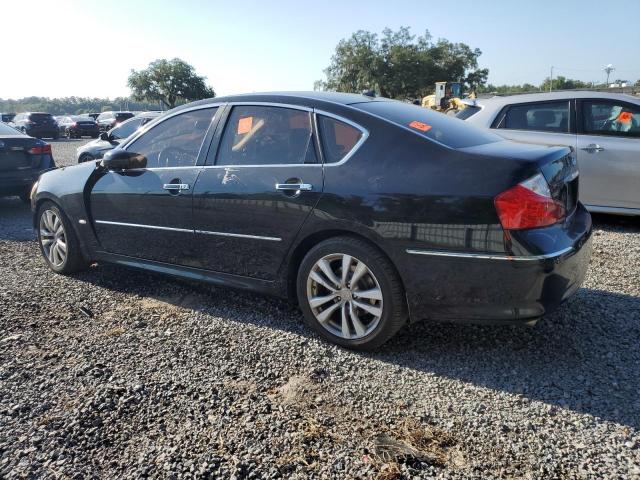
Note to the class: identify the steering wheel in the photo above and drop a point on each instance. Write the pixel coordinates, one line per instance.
(175, 157)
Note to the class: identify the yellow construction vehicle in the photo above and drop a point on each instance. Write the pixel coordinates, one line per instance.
(447, 99)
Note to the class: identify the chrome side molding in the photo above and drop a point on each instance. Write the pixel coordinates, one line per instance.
(490, 256)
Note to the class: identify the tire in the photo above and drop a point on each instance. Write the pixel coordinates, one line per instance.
(95, 135)
(85, 157)
(49, 239)
(366, 329)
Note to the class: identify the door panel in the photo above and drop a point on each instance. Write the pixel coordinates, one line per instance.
(246, 211)
(609, 171)
(147, 212)
(609, 153)
(244, 202)
(135, 215)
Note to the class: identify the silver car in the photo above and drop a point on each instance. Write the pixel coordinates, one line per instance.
(602, 128)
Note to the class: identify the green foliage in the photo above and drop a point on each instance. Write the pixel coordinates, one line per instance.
(72, 105)
(562, 83)
(399, 64)
(169, 82)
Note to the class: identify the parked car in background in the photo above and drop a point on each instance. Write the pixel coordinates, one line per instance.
(369, 211)
(22, 160)
(108, 120)
(78, 126)
(109, 140)
(36, 124)
(603, 129)
(7, 117)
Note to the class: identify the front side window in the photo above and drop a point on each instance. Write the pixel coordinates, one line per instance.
(610, 118)
(175, 142)
(338, 138)
(264, 135)
(126, 129)
(540, 117)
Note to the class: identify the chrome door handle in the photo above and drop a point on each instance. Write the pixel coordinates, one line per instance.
(593, 147)
(294, 187)
(176, 186)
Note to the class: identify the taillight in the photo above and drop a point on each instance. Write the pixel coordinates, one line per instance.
(40, 149)
(528, 205)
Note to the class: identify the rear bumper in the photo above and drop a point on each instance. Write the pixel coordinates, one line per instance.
(494, 288)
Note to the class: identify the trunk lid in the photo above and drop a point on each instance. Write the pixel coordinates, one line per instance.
(14, 153)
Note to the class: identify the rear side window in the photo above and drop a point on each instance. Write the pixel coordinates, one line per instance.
(121, 117)
(449, 131)
(467, 112)
(259, 135)
(338, 138)
(175, 142)
(601, 117)
(539, 117)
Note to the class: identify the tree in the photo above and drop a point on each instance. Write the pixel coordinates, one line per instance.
(562, 83)
(169, 82)
(399, 64)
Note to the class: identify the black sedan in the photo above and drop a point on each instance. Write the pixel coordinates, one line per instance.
(369, 212)
(78, 126)
(22, 160)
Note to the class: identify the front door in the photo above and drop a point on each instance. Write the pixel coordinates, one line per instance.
(255, 193)
(609, 154)
(147, 213)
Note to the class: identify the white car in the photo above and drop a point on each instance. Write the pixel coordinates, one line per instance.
(602, 128)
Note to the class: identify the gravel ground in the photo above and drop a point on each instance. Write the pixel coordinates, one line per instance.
(122, 374)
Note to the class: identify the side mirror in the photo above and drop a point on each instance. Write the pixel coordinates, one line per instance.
(118, 159)
(104, 136)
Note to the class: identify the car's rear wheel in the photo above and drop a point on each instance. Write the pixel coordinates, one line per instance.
(350, 293)
(58, 242)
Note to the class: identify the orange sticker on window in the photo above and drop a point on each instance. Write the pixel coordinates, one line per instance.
(244, 125)
(625, 117)
(423, 127)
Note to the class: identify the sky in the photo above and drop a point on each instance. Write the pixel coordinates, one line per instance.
(58, 48)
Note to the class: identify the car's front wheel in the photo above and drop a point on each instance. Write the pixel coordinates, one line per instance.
(58, 242)
(350, 293)
(86, 157)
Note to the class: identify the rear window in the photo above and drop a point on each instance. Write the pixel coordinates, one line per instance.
(40, 116)
(123, 116)
(442, 128)
(468, 111)
(7, 130)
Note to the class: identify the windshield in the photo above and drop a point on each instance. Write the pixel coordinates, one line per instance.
(442, 128)
(127, 128)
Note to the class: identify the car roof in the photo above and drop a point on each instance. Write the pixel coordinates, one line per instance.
(559, 95)
(276, 97)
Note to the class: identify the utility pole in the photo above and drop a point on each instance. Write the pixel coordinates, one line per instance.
(609, 68)
(551, 79)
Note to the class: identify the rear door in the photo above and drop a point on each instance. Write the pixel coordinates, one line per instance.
(546, 123)
(609, 153)
(147, 213)
(262, 180)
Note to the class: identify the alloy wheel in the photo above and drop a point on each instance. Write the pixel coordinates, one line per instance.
(345, 296)
(53, 238)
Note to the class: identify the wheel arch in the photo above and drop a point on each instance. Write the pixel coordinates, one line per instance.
(311, 240)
